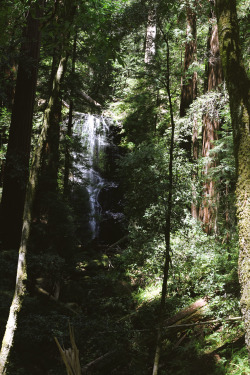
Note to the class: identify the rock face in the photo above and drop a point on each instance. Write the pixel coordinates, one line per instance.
(96, 171)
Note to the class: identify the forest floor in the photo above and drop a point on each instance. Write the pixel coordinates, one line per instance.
(115, 331)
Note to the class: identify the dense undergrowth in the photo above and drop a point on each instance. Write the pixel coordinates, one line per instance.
(112, 298)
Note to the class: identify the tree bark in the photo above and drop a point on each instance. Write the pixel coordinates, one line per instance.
(90, 100)
(189, 84)
(49, 176)
(211, 125)
(239, 96)
(188, 95)
(16, 170)
(67, 163)
(150, 47)
(51, 152)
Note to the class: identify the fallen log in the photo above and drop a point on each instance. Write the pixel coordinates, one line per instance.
(65, 104)
(97, 362)
(200, 303)
(88, 99)
(117, 242)
(186, 312)
(233, 319)
(214, 321)
(233, 345)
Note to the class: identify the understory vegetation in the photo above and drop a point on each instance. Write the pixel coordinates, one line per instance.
(111, 298)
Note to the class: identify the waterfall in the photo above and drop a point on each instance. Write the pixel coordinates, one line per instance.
(94, 132)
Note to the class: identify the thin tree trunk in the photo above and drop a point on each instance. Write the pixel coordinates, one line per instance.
(188, 95)
(16, 169)
(21, 278)
(51, 159)
(167, 225)
(69, 129)
(195, 145)
(189, 85)
(238, 86)
(51, 154)
(150, 48)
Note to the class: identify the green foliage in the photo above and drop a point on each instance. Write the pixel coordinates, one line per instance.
(4, 131)
(238, 365)
(140, 116)
(12, 21)
(202, 265)
(49, 266)
(147, 187)
(54, 231)
(39, 324)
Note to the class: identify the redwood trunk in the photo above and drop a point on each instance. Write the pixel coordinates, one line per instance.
(189, 84)
(210, 127)
(17, 158)
(188, 95)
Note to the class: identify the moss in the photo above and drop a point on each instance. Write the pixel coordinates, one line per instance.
(237, 82)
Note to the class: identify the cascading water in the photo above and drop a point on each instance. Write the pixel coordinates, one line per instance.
(94, 132)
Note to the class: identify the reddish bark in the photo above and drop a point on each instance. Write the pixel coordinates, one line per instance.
(188, 95)
(189, 84)
(195, 143)
(211, 125)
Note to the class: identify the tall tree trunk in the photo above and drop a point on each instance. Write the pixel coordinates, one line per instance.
(16, 170)
(238, 86)
(195, 154)
(69, 129)
(150, 47)
(188, 95)
(21, 278)
(49, 197)
(211, 125)
(51, 152)
(167, 224)
(8, 59)
(189, 84)
(51, 157)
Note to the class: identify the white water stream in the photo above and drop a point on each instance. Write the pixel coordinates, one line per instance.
(93, 131)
